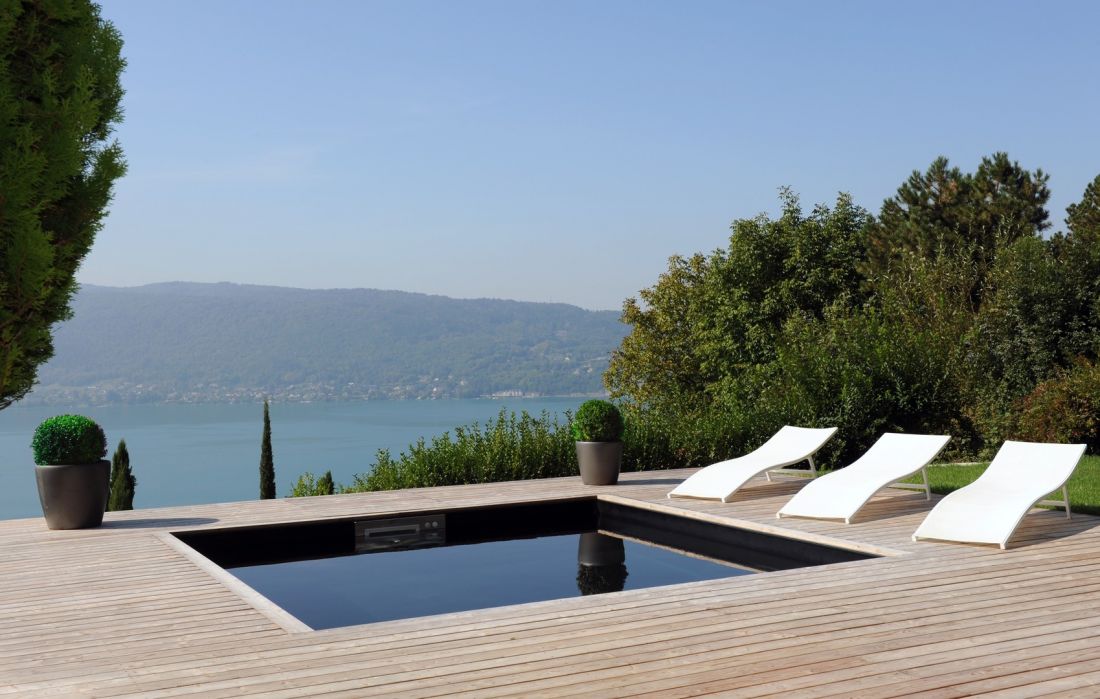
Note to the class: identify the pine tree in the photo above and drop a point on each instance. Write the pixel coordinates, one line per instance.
(945, 209)
(1078, 264)
(123, 482)
(60, 99)
(267, 461)
(1083, 218)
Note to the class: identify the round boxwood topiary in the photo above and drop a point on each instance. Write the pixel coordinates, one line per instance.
(68, 439)
(597, 421)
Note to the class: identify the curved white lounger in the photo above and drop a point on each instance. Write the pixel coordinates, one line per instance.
(788, 446)
(988, 510)
(841, 494)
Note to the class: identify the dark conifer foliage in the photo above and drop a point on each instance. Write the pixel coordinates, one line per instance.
(123, 482)
(60, 98)
(325, 484)
(1083, 218)
(946, 210)
(267, 460)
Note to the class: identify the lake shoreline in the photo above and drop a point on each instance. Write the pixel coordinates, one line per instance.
(191, 453)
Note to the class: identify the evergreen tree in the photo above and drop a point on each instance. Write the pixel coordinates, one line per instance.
(1083, 218)
(267, 461)
(60, 96)
(325, 485)
(1077, 254)
(123, 482)
(944, 210)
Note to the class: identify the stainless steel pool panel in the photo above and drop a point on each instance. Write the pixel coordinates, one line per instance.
(400, 533)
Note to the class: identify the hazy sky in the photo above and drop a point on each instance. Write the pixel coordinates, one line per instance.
(556, 151)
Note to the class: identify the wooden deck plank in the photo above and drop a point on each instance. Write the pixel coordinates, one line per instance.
(124, 611)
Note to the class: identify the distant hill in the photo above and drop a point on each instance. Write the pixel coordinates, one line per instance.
(198, 342)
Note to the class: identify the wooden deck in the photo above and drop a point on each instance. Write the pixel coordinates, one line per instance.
(123, 611)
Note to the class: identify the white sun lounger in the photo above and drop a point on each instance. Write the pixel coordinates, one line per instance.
(988, 510)
(841, 494)
(787, 447)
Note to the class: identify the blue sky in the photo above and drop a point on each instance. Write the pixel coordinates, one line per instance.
(556, 151)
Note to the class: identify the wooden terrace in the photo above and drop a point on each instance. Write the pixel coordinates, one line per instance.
(126, 610)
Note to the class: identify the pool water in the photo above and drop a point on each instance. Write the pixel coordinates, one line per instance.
(381, 586)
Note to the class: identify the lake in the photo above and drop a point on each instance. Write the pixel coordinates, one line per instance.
(188, 454)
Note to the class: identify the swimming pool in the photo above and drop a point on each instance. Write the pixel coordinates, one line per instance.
(355, 571)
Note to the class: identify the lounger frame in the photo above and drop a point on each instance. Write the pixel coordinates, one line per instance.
(794, 471)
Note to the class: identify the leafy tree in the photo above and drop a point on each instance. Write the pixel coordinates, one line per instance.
(660, 360)
(1077, 255)
(123, 482)
(939, 316)
(60, 95)
(894, 363)
(267, 460)
(1020, 329)
(1040, 318)
(713, 319)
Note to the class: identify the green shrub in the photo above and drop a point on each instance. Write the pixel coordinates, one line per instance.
(68, 439)
(659, 439)
(597, 421)
(510, 447)
(309, 485)
(519, 447)
(1063, 409)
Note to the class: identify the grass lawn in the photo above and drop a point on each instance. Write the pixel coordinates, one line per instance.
(1084, 486)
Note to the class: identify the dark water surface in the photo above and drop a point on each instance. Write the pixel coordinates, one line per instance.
(346, 590)
(187, 454)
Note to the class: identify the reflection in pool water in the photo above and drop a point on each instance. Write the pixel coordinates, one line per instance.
(601, 564)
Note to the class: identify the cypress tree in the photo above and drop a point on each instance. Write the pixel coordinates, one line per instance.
(325, 485)
(123, 482)
(267, 461)
(60, 99)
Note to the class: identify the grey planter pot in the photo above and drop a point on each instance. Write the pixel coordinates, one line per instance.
(600, 462)
(73, 496)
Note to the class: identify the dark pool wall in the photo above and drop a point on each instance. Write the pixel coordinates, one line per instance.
(245, 546)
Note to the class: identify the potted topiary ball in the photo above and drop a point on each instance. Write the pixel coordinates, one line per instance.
(598, 429)
(71, 472)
